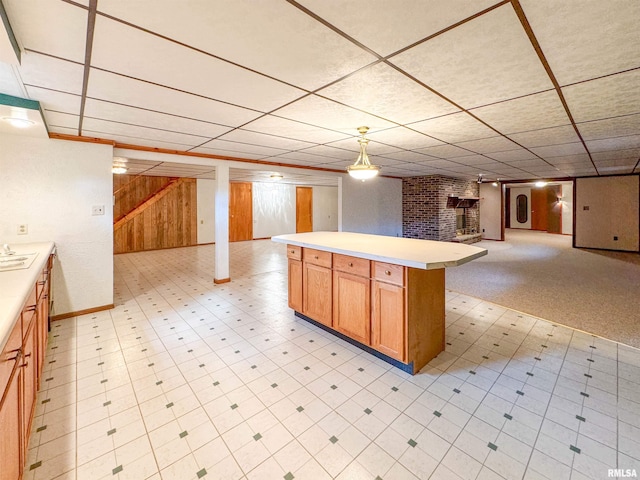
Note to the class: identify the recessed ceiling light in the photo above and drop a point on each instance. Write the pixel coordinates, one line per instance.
(541, 184)
(119, 169)
(276, 176)
(19, 122)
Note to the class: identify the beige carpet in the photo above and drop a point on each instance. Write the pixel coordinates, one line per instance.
(541, 274)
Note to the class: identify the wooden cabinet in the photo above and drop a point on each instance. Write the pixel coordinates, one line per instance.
(392, 309)
(388, 320)
(21, 363)
(352, 297)
(316, 293)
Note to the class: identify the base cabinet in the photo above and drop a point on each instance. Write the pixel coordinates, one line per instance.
(351, 306)
(21, 363)
(295, 285)
(395, 310)
(388, 320)
(316, 293)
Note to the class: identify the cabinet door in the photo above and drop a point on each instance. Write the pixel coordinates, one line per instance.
(388, 326)
(11, 431)
(316, 293)
(42, 331)
(351, 306)
(28, 368)
(295, 285)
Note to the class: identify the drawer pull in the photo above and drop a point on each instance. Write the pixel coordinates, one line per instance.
(18, 352)
(351, 264)
(387, 272)
(292, 251)
(42, 282)
(315, 256)
(30, 308)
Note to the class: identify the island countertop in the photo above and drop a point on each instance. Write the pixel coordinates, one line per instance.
(409, 252)
(15, 285)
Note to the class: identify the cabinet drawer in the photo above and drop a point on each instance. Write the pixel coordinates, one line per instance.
(389, 273)
(317, 257)
(353, 265)
(294, 253)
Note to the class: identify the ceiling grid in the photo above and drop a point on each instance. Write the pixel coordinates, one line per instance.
(512, 89)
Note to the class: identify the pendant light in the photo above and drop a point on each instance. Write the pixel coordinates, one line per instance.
(362, 169)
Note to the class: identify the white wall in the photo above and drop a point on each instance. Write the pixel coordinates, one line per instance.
(274, 209)
(514, 194)
(567, 208)
(325, 209)
(608, 207)
(51, 186)
(206, 194)
(374, 206)
(490, 211)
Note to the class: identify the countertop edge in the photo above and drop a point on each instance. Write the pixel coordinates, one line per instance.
(381, 258)
(25, 279)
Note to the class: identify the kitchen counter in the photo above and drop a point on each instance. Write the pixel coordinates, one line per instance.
(15, 285)
(408, 252)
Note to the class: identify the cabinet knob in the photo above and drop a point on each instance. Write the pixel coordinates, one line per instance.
(315, 256)
(387, 272)
(351, 264)
(291, 251)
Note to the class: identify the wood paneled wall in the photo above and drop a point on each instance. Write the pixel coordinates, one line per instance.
(131, 190)
(168, 219)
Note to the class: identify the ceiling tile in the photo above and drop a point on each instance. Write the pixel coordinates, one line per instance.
(274, 125)
(615, 169)
(546, 136)
(227, 152)
(559, 150)
(253, 138)
(513, 155)
(134, 140)
(10, 83)
(533, 112)
(141, 117)
(324, 113)
(458, 127)
(53, 100)
(42, 71)
(62, 130)
(270, 37)
(617, 154)
(565, 159)
(488, 145)
(373, 148)
(610, 127)
(483, 61)
(385, 26)
(333, 152)
(118, 89)
(405, 156)
(402, 137)
(132, 132)
(56, 119)
(126, 50)
(621, 162)
(385, 92)
(586, 39)
(445, 151)
(616, 143)
(237, 148)
(605, 97)
(56, 28)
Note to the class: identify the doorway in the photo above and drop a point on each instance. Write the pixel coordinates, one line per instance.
(240, 211)
(304, 209)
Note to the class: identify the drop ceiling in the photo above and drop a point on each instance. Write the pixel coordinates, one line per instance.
(513, 89)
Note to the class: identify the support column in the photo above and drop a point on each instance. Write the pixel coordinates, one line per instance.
(221, 267)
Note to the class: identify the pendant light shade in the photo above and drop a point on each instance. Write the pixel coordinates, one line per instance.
(362, 169)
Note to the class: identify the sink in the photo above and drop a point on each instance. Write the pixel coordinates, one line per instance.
(16, 261)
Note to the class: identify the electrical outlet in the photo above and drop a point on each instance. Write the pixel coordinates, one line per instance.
(615, 238)
(97, 210)
(23, 229)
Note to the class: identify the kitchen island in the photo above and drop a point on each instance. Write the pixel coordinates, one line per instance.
(383, 294)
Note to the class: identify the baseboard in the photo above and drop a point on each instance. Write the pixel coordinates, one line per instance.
(62, 316)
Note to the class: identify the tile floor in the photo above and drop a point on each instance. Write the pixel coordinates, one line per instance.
(187, 380)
